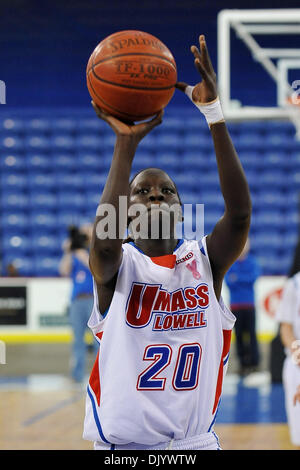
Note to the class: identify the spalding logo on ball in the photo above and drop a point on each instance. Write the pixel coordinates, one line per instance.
(131, 75)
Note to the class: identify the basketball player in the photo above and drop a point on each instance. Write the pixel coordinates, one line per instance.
(289, 318)
(162, 327)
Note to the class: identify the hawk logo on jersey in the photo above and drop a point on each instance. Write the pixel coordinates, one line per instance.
(182, 309)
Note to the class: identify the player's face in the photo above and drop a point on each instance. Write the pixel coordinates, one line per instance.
(156, 192)
(153, 186)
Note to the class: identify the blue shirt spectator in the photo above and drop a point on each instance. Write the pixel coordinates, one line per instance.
(240, 280)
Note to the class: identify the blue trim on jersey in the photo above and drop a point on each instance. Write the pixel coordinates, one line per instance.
(96, 417)
(202, 250)
(225, 360)
(112, 447)
(105, 313)
(217, 439)
(180, 242)
(213, 421)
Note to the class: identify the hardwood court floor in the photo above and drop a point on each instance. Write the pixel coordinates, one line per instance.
(34, 418)
(41, 409)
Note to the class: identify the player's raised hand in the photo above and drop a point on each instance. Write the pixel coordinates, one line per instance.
(135, 132)
(205, 91)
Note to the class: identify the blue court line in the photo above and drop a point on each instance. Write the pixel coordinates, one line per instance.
(51, 410)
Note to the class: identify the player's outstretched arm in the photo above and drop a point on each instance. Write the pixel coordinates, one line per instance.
(106, 252)
(229, 236)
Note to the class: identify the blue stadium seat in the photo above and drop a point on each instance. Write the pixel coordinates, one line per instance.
(65, 219)
(14, 202)
(37, 125)
(59, 143)
(63, 162)
(167, 140)
(70, 201)
(197, 160)
(279, 126)
(23, 264)
(12, 143)
(46, 245)
(41, 201)
(293, 180)
(272, 199)
(188, 197)
(266, 240)
(251, 160)
(277, 159)
(16, 244)
(39, 162)
(272, 178)
(14, 183)
(292, 220)
(36, 143)
(196, 141)
(268, 218)
(14, 222)
(90, 125)
(90, 161)
(46, 266)
(147, 159)
(9, 125)
(252, 127)
(13, 162)
(249, 141)
(148, 142)
(43, 222)
(70, 182)
(63, 125)
(88, 142)
(38, 182)
(275, 140)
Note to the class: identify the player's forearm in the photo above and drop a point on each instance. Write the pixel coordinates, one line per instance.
(287, 336)
(233, 181)
(110, 237)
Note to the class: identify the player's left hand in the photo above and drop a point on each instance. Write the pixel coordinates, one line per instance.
(207, 89)
(297, 396)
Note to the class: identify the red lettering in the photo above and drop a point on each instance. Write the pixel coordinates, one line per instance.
(140, 304)
(202, 321)
(163, 301)
(178, 321)
(167, 322)
(202, 292)
(190, 296)
(190, 320)
(157, 323)
(178, 302)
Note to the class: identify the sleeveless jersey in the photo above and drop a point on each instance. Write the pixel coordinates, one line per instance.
(289, 306)
(163, 349)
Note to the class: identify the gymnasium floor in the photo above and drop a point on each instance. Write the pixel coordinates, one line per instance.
(42, 409)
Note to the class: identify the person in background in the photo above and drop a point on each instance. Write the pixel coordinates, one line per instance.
(11, 270)
(240, 280)
(75, 264)
(288, 316)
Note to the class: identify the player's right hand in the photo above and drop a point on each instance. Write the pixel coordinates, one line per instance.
(135, 132)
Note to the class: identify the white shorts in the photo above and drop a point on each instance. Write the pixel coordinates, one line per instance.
(291, 380)
(207, 441)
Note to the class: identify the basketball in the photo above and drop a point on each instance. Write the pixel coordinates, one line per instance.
(131, 75)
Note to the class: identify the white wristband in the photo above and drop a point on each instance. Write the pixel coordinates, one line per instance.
(212, 111)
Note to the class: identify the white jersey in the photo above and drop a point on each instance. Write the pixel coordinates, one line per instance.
(289, 307)
(164, 346)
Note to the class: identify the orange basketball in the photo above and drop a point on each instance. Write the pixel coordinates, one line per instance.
(131, 75)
